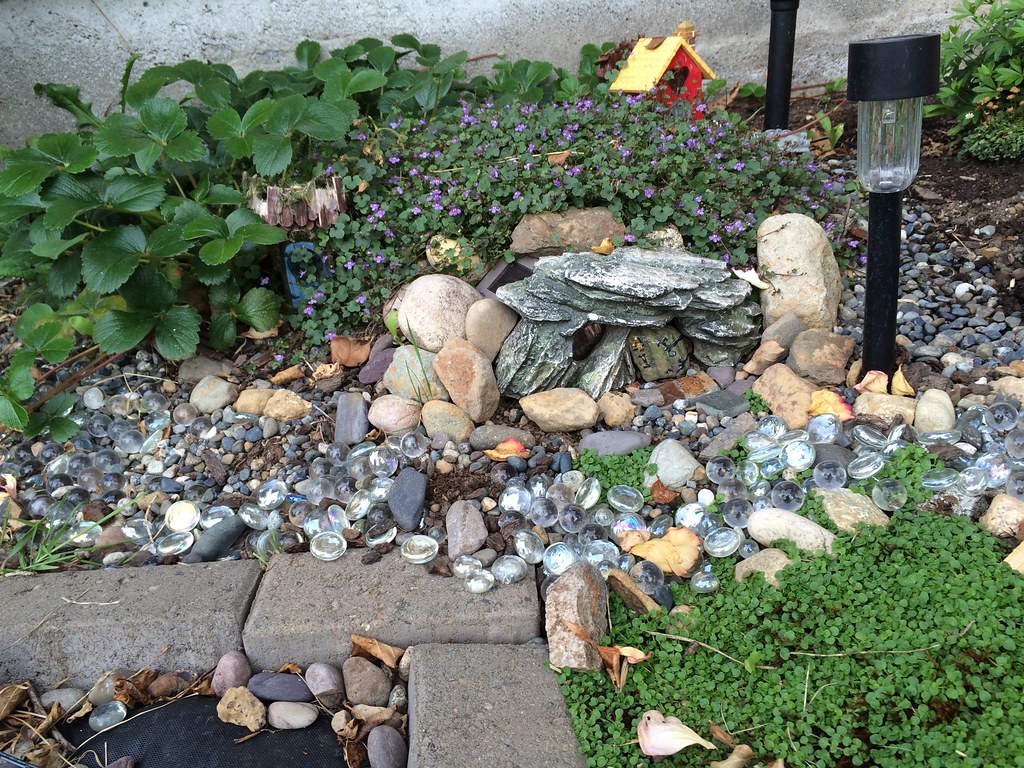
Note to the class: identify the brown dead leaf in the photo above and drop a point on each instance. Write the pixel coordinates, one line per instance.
(558, 158)
(616, 659)
(325, 371)
(128, 694)
(374, 649)
(662, 495)
(10, 510)
(144, 678)
(740, 757)
(363, 185)
(287, 376)
(11, 698)
(720, 734)
(82, 711)
(349, 352)
(629, 539)
(675, 552)
(605, 248)
(258, 335)
(290, 667)
(51, 717)
(203, 688)
(355, 755)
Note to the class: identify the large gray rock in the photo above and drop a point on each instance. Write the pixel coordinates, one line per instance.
(411, 375)
(488, 324)
(805, 275)
(675, 464)
(579, 596)
(578, 229)
(211, 393)
(631, 288)
(351, 423)
(466, 529)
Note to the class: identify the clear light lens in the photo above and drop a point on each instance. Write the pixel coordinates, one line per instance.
(888, 144)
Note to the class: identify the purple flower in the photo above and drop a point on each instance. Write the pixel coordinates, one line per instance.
(264, 280)
(329, 335)
(495, 208)
(279, 358)
(349, 264)
(648, 192)
(308, 311)
(739, 166)
(360, 299)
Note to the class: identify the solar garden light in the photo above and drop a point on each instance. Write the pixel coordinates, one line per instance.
(889, 78)
(781, 40)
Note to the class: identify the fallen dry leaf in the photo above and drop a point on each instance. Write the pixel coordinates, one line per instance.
(900, 385)
(290, 667)
(558, 158)
(204, 688)
(325, 371)
(144, 678)
(616, 659)
(349, 352)
(660, 494)
(258, 335)
(128, 694)
(630, 539)
(11, 698)
(675, 552)
(355, 755)
(605, 248)
(287, 376)
(511, 447)
(374, 649)
(740, 757)
(11, 512)
(83, 711)
(661, 736)
(719, 733)
(750, 275)
(344, 725)
(827, 401)
(873, 381)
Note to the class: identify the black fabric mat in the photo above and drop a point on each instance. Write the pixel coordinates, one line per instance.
(187, 732)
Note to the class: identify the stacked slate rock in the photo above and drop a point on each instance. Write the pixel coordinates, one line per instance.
(631, 288)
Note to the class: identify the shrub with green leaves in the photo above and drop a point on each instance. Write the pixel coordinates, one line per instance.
(982, 77)
(900, 649)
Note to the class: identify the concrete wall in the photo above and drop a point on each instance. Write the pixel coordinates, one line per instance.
(71, 41)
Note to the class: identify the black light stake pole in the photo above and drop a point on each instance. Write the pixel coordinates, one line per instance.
(889, 78)
(781, 41)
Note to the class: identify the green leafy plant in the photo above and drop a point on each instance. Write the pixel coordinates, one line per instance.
(630, 469)
(757, 404)
(982, 73)
(36, 546)
(900, 649)
(906, 465)
(1000, 137)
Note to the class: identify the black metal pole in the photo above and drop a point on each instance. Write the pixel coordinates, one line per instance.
(781, 41)
(885, 216)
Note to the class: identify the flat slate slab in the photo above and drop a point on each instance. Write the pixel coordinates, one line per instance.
(488, 706)
(306, 609)
(78, 625)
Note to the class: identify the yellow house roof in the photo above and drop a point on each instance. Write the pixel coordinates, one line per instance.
(649, 60)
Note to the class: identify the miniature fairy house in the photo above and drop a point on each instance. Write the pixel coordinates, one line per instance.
(668, 65)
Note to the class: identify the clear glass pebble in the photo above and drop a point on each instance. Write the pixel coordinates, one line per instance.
(414, 445)
(256, 518)
(761, 447)
(950, 436)
(130, 441)
(380, 487)
(479, 582)
(624, 498)
(107, 715)
(733, 489)
(659, 526)
(419, 549)
(602, 514)
(973, 480)
(543, 512)
(213, 515)
(383, 537)
(747, 472)
(528, 546)
(705, 582)
(561, 494)
(748, 548)
(98, 424)
(1002, 417)
(538, 486)
(824, 428)
(1014, 443)
(318, 489)
(107, 460)
(384, 461)
(174, 543)
(84, 533)
(688, 515)
(996, 467)
(627, 521)
(867, 464)
(798, 455)
(572, 518)
(939, 479)
(722, 542)
(359, 506)
(558, 557)
(335, 518)
(508, 569)
(773, 426)
(719, 469)
(889, 495)
(589, 493)
(344, 490)
(647, 576)
(574, 479)
(829, 475)
(625, 562)
(93, 398)
(137, 529)
(515, 499)
(464, 565)
(869, 437)
(601, 551)
(772, 468)
(327, 545)
(181, 516)
(891, 448)
(787, 495)
(271, 494)
(736, 512)
(1015, 485)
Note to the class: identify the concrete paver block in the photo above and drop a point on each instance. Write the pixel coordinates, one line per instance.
(306, 609)
(488, 706)
(78, 625)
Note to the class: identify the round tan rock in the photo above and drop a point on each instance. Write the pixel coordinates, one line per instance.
(488, 324)
(768, 561)
(291, 715)
(466, 373)
(434, 310)
(253, 401)
(788, 395)
(769, 525)
(885, 406)
(935, 411)
(1004, 516)
(565, 409)
(617, 410)
(285, 405)
(394, 415)
(439, 416)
